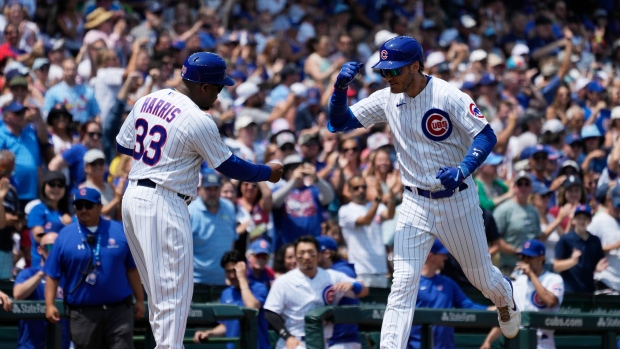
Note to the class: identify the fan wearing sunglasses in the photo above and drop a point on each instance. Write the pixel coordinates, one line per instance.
(441, 137)
(53, 209)
(29, 285)
(92, 262)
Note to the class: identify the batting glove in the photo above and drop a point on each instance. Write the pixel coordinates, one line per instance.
(450, 177)
(347, 74)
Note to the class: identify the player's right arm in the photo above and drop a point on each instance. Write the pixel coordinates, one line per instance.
(364, 114)
(206, 140)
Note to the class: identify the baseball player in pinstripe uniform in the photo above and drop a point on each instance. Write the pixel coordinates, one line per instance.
(440, 137)
(169, 135)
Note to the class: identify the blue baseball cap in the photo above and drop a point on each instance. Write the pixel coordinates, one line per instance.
(531, 151)
(314, 96)
(468, 85)
(594, 86)
(493, 159)
(14, 107)
(327, 243)
(590, 131)
(487, 79)
(210, 179)
(533, 248)
(585, 209)
(439, 248)
(571, 181)
(52, 227)
(87, 194)
(260, 246)
(572, 138)
(540, 188)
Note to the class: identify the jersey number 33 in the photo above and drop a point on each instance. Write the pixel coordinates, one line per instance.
(150, 154)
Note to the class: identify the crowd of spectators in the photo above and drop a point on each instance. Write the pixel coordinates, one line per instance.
(545, 74)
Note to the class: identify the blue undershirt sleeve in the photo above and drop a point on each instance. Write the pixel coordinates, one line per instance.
(124, 150)
(340, 116)
(242, 170)
(481, 148)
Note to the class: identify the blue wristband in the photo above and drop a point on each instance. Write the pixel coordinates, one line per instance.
(357, 287)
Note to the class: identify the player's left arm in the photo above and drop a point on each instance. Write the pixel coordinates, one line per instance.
(350, 287)
(550, 299)
(461, 300)
(468, 117)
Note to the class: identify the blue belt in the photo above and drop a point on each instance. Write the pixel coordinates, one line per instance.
(446, 193)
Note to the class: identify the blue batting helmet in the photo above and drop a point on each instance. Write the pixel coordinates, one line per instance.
(206, 68)
(398, 52)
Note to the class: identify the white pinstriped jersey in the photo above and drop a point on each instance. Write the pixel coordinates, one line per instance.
(528, 299)
(432, 130)
(294, 294)
(170, 136)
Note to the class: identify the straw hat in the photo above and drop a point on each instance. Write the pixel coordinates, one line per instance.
(97, 17)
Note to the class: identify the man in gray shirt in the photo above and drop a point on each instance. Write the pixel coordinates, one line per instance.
(517, 221)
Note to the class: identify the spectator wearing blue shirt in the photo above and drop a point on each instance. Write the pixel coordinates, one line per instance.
(90, 138)
(92, 263)
(298, 202)
(439, 292)
(258, 259)
(594, 159)
(288, 76)
(345, 336)
(578, 254)
(241, 292)
(25, 141)
(79, 99)
(53, 209)
(213, 221)
(30, 285)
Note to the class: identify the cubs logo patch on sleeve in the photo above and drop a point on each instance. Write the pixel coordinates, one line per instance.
(475, 111)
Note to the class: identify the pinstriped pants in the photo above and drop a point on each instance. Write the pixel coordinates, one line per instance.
(159, 234)
(457, 222)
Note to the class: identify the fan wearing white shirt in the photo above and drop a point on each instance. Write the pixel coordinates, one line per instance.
(360, 221)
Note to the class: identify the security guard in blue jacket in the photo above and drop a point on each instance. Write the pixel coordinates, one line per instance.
(345, 336)
(91, 258)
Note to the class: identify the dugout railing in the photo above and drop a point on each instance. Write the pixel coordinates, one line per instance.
(200, 315)
(604, 325)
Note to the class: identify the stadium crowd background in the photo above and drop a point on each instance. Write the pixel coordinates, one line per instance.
(543, 73)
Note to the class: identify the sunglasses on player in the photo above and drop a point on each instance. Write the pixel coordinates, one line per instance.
(390, 72)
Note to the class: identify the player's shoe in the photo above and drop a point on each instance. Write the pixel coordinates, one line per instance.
(509, 318)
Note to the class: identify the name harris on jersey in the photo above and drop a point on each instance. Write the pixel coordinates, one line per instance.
(160, 108)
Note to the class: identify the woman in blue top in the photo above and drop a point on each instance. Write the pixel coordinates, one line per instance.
(53, 208)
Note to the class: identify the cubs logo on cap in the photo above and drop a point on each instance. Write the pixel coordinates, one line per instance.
(473, 109)
(436, 125)
(384, 54)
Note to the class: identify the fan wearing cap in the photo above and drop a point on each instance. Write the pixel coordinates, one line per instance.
(571, 194)
(213, 223)
(244, 145)
(285, 140)
(299, 200)
(438, 291)
(310, 147)
(606, 226)
(30, 285)
(95, 169)
(288, 76)
(491, 189)
(258, 254)
(78, 98)
(251, 101)
(92, 263)
(517, 221)
(24, 133)
(593, 159)
(345, 336)
(535, 290)
(579, 254)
